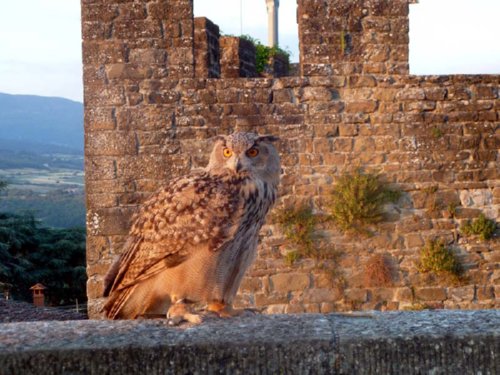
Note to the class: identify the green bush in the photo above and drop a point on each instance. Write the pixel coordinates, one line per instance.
(264, 53)
(435, 257)
(482, 227)
(298, 227)
(357, 200)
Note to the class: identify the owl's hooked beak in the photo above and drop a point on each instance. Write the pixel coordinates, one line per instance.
(237, 166)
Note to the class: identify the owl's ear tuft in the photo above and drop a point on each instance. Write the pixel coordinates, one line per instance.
(267, 138)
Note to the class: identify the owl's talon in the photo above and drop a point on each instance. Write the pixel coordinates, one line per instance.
(181, 312)
(223, 310)
(174, 321)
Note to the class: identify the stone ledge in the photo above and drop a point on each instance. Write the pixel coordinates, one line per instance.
(438, 342)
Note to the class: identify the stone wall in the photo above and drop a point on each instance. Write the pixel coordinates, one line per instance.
(443, 342)
(436, 138)
(339, 37)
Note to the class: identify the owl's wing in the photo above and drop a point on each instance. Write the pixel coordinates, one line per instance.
(189, 213)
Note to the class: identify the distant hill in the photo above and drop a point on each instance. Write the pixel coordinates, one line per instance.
(37, 122)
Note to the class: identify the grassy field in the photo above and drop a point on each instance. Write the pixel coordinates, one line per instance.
(42, 180)
(55, 196)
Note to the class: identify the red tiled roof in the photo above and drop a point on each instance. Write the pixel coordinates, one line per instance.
(17, 311)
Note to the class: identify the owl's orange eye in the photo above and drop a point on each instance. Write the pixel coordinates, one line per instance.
(227, 153)
(253, 152)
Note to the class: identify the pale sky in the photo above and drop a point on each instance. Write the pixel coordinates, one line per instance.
(40, 41)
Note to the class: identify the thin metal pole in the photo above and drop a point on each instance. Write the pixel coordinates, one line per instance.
(241, 17)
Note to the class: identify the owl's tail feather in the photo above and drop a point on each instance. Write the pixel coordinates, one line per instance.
(116, 303)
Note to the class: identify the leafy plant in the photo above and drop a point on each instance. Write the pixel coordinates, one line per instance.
(291, 257)
(435, 257)
(481, 226)
(357, 200)
(431, 189)
(436, 132)
(452, 209)
(298, 227)
(263, 53)
(417, 307)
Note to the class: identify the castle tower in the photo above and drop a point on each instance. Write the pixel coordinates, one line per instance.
(272, 22)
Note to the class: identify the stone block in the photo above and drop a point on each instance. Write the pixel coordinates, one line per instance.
(403, 295)
(485, 92)
(365, 106)
(123, 71)
(485, 292)
(319, 94)
(465, 293)
(348, 130)
(382, 294)
(356, 295)
(287, 282)
(476, 197)
(110, 143)
(251, 284)
(435, 93)
(319, 295)
(411, 94)
(364, 144)
(430, 294)
(273, 298)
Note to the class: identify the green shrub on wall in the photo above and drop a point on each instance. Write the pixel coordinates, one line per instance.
(435, 257)
(481, 226)
(298, 227)
(357, 200)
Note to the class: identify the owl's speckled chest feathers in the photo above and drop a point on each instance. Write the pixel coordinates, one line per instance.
(204, 207)
(219, 213)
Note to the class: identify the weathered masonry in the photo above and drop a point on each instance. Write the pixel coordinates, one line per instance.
(159, 85)
(443, 342)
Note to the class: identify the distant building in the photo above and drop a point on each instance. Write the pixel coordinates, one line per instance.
(272, 22)
(38, 294)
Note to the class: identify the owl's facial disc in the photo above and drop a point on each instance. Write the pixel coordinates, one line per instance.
(241, 160)
(246, 154)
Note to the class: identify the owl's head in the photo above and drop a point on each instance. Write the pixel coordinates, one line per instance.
(246, 154)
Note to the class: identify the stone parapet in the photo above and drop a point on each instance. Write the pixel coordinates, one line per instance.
(443, 342)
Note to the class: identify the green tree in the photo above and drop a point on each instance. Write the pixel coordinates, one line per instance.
(30, 254)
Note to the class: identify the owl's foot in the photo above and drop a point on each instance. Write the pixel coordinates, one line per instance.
(225, 311)
(181, 312)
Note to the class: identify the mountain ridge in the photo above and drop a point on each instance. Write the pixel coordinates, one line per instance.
(41, 120)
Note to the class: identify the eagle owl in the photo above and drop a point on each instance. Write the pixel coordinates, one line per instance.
(193, 240)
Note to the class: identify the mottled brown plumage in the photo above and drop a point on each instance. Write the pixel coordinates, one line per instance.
(193, 240)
